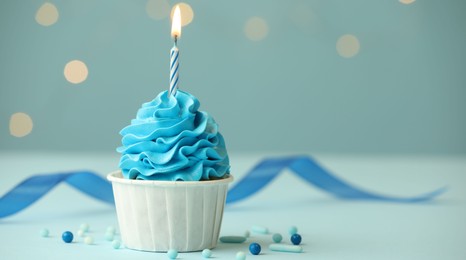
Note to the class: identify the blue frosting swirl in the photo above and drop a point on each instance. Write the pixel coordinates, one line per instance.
(171, 140)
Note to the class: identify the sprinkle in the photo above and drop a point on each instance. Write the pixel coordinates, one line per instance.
(109, 236)
(277, 238)
(247, 233)
(67, 236)
(172, 253)
(295, 239)
(89, 240)
(81, 233)
(206, 253)
(255, 248)
(232, 239)
(292, 230)
(111, 229)
(285, 248)
(84, 227)
(116, 244)
(260, 229)
(44, 232)
(240, 255)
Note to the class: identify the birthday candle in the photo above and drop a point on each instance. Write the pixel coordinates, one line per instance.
(175, 53)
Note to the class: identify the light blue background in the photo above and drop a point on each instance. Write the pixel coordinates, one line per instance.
(404, 92)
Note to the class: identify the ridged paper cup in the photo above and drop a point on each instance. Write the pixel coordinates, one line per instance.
(163, 215)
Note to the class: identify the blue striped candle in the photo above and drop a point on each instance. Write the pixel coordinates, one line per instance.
(175, 53)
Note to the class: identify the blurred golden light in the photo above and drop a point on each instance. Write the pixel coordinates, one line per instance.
(76, 71)
(20, 124)
(47, 14)
(348, 46)
(256, 29)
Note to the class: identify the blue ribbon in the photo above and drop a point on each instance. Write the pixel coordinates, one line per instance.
(33, 188)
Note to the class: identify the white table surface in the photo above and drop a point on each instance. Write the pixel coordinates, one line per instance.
(331, 228)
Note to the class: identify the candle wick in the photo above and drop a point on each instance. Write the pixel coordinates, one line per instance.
(176, 39)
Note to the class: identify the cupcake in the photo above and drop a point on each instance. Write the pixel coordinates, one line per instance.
(171, 189)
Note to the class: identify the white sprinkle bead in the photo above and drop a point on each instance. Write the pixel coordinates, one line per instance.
(84, 227)
(89, 240)
(232, 239)
(260, 229)
(81, 233)
(44, 232)
(240, 255)
(285, 248)
(206, 253)
(111, 229)
(116, 244)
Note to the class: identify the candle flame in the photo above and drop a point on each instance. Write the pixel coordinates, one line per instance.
(176, 23)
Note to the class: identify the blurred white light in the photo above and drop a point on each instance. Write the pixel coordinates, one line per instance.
(348, 46)
(256, 29)
(187, 13)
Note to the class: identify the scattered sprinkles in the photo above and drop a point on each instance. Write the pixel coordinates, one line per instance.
(296, 239)
(240, 255)
(247, 233)
(255, 248)
(285, 248)
(277, 238)
(116, 244)
(111, 229)
(260, 229)
(67, 236)
(44, 232)
(172, 254)
(292, 230)
(232, 239)
(109, 236)
(89, 240)
(81, 233)
(206, 253)
(84, 227)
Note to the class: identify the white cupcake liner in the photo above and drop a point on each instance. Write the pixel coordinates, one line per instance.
(163, 215)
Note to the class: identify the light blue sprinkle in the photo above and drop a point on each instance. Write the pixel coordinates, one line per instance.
(240, 255)
(232, 239)
(111, 229)
(84, 227)
(206, 253)
(172, 254)
(260, 229)
(109, 236)
(277, 238)
(116, 244)
(285, 248)
(44, 232)
(293, 230)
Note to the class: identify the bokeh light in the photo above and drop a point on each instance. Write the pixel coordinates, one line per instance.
(256, 29)
(47, 14)
(76, 71)
(20, 124)
(157, 9)
(348, 46)
(407, 2)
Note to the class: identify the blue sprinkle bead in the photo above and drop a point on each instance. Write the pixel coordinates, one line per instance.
(277, 238)
(172, 253)
(295, 239)
(240, 255)
(206, 253)
(44, 232)
(67, 236)
(255, 248)
(292, 230)
(116, 244)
